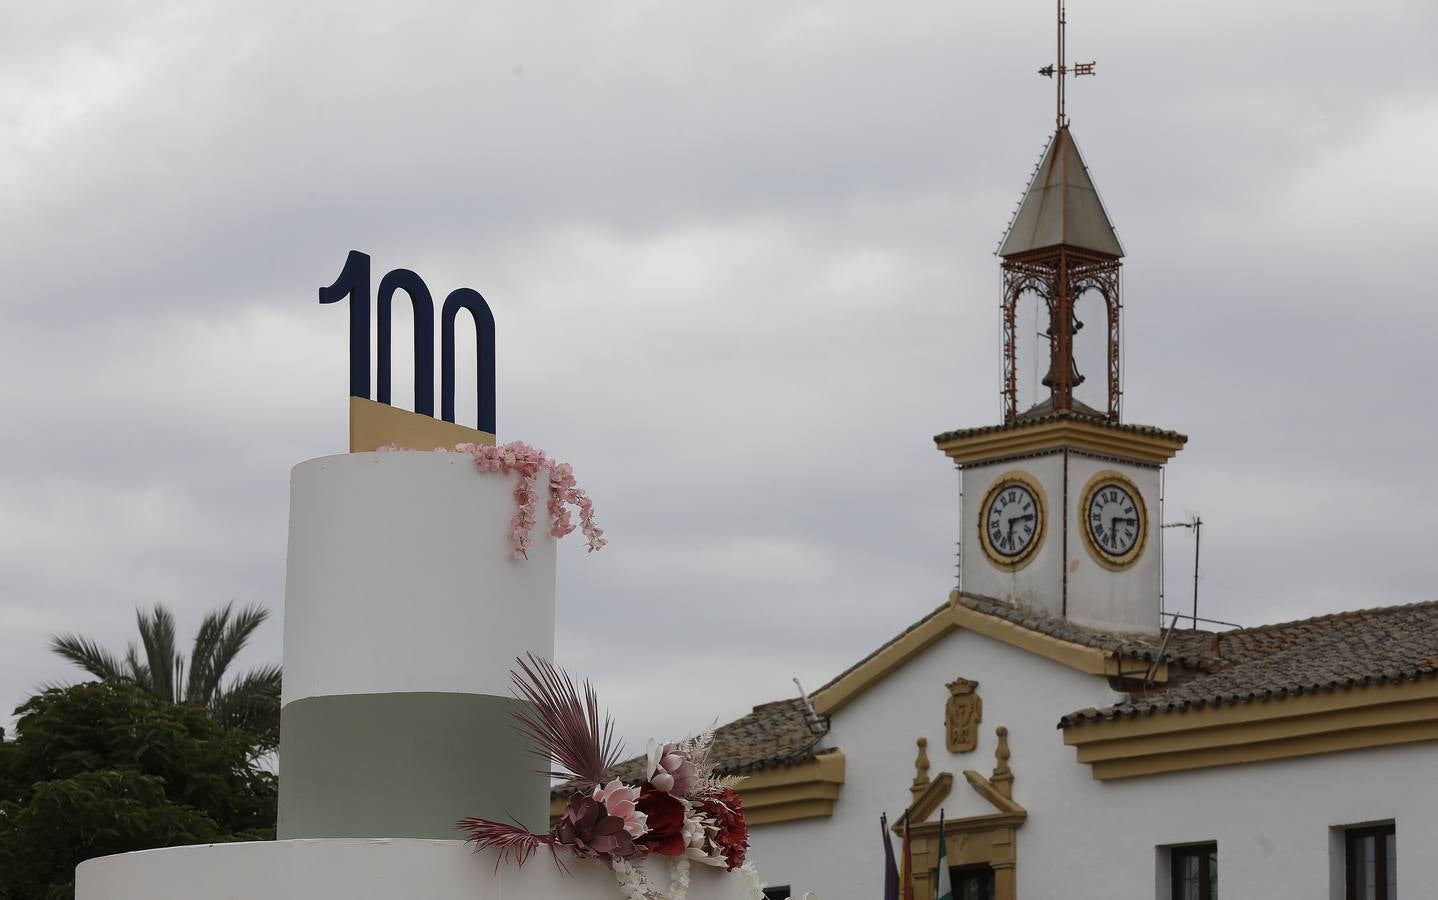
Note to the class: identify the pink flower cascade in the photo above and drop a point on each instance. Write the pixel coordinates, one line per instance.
(529, 462)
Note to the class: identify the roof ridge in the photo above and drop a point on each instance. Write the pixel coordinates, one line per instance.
(1323, 617)
(879, 649)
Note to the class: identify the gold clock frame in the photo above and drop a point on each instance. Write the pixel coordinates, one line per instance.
(1029, 483)
(1121, 561)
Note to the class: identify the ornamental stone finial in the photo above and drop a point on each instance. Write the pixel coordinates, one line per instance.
(1003, 779)
(921, 769)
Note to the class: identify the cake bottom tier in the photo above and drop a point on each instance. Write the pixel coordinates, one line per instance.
(365, 869)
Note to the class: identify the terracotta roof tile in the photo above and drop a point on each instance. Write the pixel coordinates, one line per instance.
(1182, 648)
(1347, 649)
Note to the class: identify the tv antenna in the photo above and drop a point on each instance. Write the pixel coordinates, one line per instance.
(1196, 523)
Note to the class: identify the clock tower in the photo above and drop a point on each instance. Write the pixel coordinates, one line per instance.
(1062, 502)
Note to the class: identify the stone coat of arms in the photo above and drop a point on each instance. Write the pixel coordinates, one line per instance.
(962, 715)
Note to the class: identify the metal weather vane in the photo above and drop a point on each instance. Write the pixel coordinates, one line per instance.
(1062, 69)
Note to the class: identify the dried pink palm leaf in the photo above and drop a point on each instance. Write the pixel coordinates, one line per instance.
(509, 841)
(561, 726)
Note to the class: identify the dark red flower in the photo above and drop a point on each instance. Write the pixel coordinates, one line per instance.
(665, 822)
(725, 810)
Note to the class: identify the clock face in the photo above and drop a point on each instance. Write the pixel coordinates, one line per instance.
(1013, 521)
(1114, 518)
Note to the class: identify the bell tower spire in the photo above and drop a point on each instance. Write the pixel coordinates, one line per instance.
(1059, 246)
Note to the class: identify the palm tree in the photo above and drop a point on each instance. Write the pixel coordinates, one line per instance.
(250, 702)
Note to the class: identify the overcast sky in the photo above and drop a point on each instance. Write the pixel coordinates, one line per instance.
(740, 257)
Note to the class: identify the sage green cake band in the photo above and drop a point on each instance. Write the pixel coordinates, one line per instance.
(404, 766)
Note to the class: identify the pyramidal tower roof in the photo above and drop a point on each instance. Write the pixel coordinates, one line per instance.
(1061, 206)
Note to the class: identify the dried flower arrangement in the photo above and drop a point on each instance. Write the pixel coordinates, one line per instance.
(682, 811)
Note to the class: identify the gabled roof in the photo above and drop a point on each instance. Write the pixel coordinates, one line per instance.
(783, 733)
(1087, 650)
(1146, 648)
(1308, 659)
(1061, 206)
(1389, 644)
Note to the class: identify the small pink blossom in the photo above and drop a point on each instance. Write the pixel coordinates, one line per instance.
(529, 462)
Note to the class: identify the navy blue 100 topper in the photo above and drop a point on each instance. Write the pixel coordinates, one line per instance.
(354, 282)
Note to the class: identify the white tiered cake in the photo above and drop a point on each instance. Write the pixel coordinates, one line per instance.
(404, 612)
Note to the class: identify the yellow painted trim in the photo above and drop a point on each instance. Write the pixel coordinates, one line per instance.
(1089, 660)
(806, 791)
(1036, 490)
(893, 655)
(1131, 669)
(930, 797)
(1115, 561)
(374, 425)
(1019, 439)
(790, 812)
(1280, 728)
(986, 789)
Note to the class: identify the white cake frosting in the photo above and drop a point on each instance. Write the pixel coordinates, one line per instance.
(356, 869)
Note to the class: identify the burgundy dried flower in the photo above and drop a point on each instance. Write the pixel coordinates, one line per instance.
(725, 810)
(588, 829)
(665, 820)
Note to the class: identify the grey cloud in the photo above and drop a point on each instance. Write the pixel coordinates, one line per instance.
(740, 259)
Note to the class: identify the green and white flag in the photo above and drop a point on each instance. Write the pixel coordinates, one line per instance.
(943, 887)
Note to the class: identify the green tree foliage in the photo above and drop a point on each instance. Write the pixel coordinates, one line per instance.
(250, 702)
(104, 767)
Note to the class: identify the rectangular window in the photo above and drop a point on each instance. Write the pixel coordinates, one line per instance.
(1194, 872)
(1371, 863)
(972, 882)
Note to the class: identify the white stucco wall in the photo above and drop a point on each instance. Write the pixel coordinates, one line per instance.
(1084, 838)
(1100, 597)
(1036, 585)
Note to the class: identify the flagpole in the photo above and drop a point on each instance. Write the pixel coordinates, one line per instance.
(891, 873)
(908, 877)
(943, 882)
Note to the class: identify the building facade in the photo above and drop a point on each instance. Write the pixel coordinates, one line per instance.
(1076, 742)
